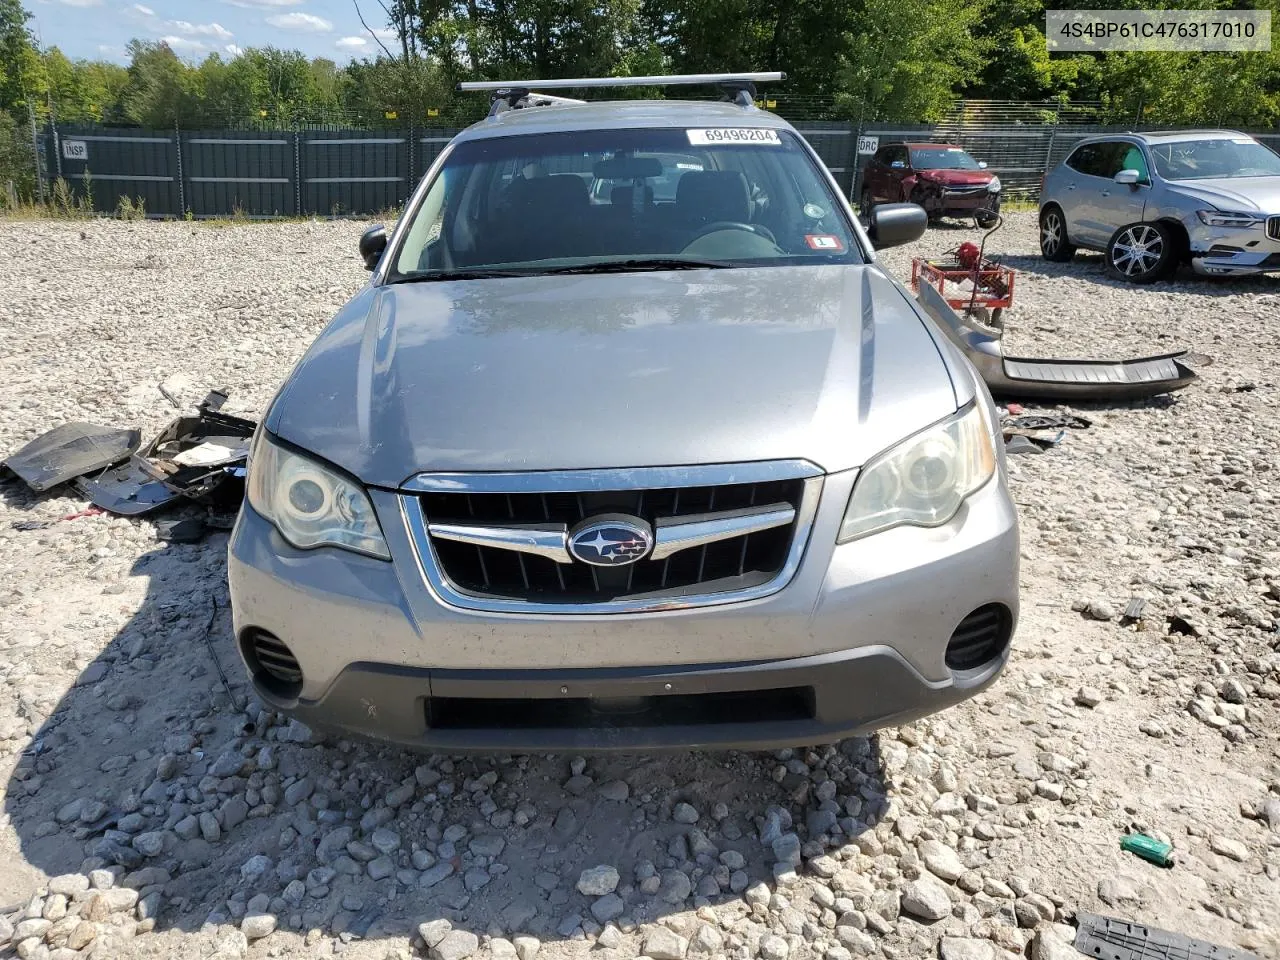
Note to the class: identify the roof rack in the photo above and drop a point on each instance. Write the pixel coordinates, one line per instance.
(739, 88)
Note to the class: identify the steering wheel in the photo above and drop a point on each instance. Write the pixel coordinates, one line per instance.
(719, 225)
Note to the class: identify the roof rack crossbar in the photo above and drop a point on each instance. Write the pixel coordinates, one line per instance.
(736, 80)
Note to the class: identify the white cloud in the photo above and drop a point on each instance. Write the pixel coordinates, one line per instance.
(184, 45)
(305, 22)
(263, 4)
(109, 52)
(215, 30)
(386, 33)
(351, 43)
(81, 3)
(139, 10)
(234, 50)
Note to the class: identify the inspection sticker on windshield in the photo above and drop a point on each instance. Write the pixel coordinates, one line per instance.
(719, 135)
(824, 241)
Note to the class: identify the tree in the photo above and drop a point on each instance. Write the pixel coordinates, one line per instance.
(22, 78)
(907, 60)
(159, 89)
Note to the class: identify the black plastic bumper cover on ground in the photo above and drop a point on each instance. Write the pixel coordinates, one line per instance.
(809, 700)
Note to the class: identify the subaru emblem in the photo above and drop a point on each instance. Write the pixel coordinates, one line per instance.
(611, 540)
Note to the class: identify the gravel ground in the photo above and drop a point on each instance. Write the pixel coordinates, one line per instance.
(144, 816)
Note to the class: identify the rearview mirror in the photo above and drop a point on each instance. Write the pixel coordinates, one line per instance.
(1128, 177)
(893, 224)
(372, 242)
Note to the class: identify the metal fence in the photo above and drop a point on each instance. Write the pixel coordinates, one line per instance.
(289, 173)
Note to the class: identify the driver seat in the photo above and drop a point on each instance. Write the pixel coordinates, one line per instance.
(713, 196)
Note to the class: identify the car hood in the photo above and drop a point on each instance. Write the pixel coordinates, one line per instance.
(958, 178)
(1234, 194)
(827, 363)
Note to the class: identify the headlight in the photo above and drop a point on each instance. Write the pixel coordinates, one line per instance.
(994, 185)
(1221, 218)
(310, 504)
(923, 480)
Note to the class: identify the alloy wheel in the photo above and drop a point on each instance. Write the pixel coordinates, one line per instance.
(1050, 233)
(1137, 251)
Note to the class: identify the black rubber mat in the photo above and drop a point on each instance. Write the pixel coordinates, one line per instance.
(1105, 938)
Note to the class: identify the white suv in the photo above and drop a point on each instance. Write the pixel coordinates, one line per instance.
(1150, 201)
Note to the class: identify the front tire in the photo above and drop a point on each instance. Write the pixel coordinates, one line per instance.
(1142, 253)
(1054, 244)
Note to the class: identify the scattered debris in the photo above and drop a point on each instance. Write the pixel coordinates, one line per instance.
(69, 451)
(979, 330)
(1111, 939)
(1148, 848)
(194, 457)
(186, 530)
(1018, 444)
(1133, 611)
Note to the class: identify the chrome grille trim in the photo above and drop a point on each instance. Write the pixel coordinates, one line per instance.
(1273, 228)
(446, 592)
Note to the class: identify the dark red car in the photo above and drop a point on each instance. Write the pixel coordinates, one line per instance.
(941, 177)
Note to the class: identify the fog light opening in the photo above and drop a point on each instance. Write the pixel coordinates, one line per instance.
(272, 663)
(981, 637)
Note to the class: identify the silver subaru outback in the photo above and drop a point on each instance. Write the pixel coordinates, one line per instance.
(1151, 201)
(629, 443)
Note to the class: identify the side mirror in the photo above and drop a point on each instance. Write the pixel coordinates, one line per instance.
(372, 243)
(893, 224)
(1129, 178)
(982, 164)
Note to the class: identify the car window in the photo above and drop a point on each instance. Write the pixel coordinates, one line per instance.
(942, 158)
(1225, 157)
(897, 154)
(1134, 160)
(1088, 159)
(535, 202)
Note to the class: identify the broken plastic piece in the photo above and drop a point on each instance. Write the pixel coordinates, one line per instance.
(1134, 610)
(1105, 938)
(159, 473)
(187, 530)
(1060, 379)
(70, 451)
(1019, 444)
(1148, 848)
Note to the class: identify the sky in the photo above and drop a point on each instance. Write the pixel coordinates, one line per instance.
(99, 29)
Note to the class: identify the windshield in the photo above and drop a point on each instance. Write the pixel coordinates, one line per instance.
(1225, 157)
(586, 201)
(942, 158)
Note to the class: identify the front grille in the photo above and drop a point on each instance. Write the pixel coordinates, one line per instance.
(1273, 228)
(783, 705)
(727, 565)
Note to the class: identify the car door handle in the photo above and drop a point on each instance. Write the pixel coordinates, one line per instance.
(1071, 186)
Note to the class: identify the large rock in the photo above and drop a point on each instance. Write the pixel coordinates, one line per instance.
(926, 899)
(456, 945)
(941, 860)
(598, 881)
(663, 944)
(966, 948)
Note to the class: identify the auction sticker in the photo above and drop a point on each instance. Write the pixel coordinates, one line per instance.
(824, 242)
(722, 135)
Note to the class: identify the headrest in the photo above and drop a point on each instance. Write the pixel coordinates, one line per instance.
(714, 195)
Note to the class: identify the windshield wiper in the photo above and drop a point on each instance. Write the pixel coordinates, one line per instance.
(440, 275)
(647, 263)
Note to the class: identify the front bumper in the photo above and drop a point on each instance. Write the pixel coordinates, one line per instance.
(947, 202)
(1232, 251)
(847, 646)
